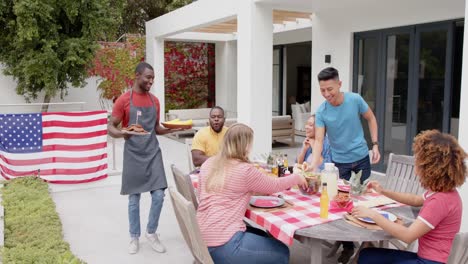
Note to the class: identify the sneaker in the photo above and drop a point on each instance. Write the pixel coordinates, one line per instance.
(155, 243)
(133, 247)
(346, 254)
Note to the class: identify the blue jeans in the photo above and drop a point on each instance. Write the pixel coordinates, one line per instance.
(391, 256)
(246, 247)
(362, 164)
(157, 198)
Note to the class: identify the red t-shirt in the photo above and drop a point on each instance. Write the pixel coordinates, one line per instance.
(442, 212)
(121, 108)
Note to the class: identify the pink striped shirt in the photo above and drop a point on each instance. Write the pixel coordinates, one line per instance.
(220, 214)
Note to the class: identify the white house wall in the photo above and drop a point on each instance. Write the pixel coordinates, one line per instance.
(88, 94)
(463, 128)
(332, 30)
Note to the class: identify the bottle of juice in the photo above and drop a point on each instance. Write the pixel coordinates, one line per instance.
(324, 201)
(330, 176)
(285, 162)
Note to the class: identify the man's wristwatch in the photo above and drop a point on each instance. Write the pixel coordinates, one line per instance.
(375, 143)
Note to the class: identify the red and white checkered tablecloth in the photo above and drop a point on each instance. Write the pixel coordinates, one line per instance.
(282, 224)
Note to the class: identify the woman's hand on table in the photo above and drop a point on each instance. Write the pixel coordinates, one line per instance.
(303, 183)
(362, 212)
(374, 185)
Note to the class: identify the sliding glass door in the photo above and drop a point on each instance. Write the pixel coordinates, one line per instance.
(404, 74)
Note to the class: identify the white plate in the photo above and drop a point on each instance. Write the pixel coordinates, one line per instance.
(385, 214)
(276, 200)
(135, 133)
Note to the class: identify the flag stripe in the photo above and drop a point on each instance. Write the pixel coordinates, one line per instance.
(15, 162)
(55, 129)
(75, 142)
(47, 172)
(83, 113)
(57, 165)
(74, 136)
(75, 148)
(73, 119)
(52, 154)
(74, 124)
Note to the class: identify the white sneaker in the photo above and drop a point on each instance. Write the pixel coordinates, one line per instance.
(155, 243)
(133, 247)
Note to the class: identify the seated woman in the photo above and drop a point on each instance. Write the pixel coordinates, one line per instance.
(305, 153)
(439, 163)
(227, 181)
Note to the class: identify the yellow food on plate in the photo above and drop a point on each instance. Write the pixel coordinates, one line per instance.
(174, 121)
(180, 122)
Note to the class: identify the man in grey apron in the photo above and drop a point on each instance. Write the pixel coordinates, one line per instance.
(143, 169)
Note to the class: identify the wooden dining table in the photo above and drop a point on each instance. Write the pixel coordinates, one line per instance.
(341, 230)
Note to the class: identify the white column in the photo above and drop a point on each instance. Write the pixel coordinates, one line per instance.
(463, 127)
(255, 71)
(226, 76)
(155, 57)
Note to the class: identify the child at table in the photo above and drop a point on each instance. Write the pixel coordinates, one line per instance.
(439, 163)
(227, 181)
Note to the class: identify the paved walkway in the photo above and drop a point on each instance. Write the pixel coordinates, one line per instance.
(94, 217)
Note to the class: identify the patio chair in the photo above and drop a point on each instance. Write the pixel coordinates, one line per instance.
(401, 176)
(184, 185)
(188, 147)
(459, 252)
(185, 214)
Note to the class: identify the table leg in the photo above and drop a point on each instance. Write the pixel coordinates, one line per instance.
(315, 246)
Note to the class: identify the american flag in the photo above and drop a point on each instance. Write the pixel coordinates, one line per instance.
(63, 147)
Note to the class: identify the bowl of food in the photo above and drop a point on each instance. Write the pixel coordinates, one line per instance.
(342, 198)
(313, 183)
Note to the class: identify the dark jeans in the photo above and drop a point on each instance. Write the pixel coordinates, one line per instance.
(346, 168)
(391, 256)
(247, 247)
(345, 173)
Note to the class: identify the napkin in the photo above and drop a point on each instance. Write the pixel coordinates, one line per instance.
(335, 207)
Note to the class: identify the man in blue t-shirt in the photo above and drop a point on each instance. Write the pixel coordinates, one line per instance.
(340, 116)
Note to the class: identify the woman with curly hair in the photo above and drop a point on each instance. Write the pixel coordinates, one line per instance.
(227, 182)
(439, 163)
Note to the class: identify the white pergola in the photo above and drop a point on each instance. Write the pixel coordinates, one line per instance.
(248, 28)
(245, 30)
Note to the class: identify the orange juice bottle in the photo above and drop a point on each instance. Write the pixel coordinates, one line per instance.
(324, 201)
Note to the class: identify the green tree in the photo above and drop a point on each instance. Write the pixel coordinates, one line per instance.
(47, 45)
(137, 12)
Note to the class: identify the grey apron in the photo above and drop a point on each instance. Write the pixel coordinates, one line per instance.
(143, 168)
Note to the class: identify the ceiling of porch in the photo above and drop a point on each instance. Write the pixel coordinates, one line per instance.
(280, 17)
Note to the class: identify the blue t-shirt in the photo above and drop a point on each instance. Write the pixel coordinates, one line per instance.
(344, 129)
(326, 154)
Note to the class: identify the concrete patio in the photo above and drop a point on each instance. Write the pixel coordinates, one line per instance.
(94, 217)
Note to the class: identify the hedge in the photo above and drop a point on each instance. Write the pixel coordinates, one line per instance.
(33, 231)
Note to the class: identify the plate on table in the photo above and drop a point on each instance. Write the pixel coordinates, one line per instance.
(266, 201)
(135, 133)
(385, 214)
(176, 126)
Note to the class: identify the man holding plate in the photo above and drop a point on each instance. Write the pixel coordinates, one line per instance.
(143, 169)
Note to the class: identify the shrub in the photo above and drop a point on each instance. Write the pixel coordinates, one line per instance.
(33, 231)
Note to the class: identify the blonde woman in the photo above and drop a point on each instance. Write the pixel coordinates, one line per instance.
(439, 164)
(227, 181)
